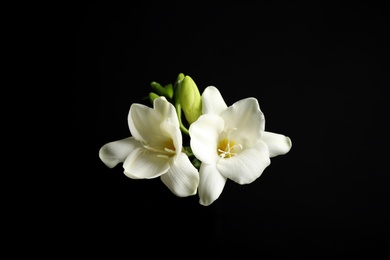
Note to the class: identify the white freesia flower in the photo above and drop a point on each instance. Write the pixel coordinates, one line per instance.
(231, 143)
(154, 149)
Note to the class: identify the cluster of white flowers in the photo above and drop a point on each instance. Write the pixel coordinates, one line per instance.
(226, 142)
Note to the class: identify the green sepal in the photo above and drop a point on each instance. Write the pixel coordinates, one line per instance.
(176, 102)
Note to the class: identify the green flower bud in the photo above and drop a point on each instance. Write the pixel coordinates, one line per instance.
(180, 78)
(166, 91)
(190, 100)
(169, 91)
(152, 97)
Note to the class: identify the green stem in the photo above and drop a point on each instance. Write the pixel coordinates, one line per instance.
(188, 151)
(182, 127)
(176, 100)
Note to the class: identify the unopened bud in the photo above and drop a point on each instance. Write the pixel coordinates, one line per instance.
(153, 96)
(190, 100)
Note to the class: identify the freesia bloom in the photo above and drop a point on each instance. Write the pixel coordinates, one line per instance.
(154, 149)
(231, 143)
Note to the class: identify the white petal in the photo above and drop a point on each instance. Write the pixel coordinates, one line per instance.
(278, 144)
(116, 152)
(156, 126)
(144, 122)
(212, 101)
(204, 134)
(173, 133)
(244, 116)
(211, 184)
(247, 166)
(144, 164)
(166, 109)
(182, 178)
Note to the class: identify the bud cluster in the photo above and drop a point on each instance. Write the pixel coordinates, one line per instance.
(184, 95)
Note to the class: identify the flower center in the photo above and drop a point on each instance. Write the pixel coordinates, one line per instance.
(227, 147)
(169, 147)
(166, 150)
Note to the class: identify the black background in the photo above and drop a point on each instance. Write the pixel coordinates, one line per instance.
(319, 73)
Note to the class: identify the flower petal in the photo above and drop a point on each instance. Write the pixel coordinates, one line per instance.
(145, 164)
(143, 122)
(182, 178)
(278, 144)
(247, 166)
(116, 152)
(204, 134)
(211, 184)
(246, 117)
(173, 132)
(212, 101)
(166, 109)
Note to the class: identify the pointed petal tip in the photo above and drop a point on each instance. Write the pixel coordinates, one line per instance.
(203, 203)
(278, 144)
(116, 152)
(211, 184)
(289, 143)
(109, 161)
(182, 178)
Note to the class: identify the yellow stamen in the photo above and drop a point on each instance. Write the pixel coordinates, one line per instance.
(226, 148)
(164, 152)
(169, 146)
